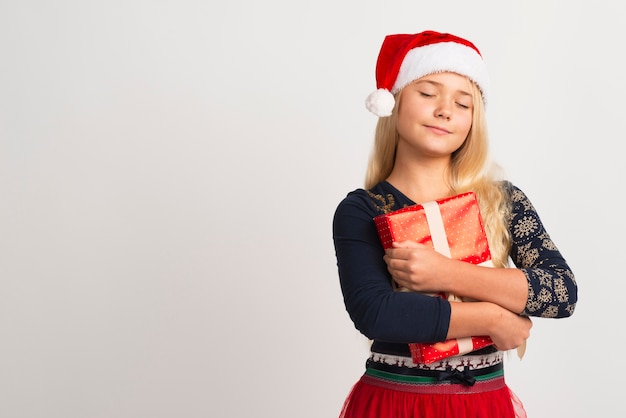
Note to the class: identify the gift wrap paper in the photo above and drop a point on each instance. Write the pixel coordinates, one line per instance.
(453, 227)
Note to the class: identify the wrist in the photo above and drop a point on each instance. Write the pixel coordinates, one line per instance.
(454, 269)
(493, 317)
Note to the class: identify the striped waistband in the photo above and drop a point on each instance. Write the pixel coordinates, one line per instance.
(452, 376)
(422, 375)
(447, 381)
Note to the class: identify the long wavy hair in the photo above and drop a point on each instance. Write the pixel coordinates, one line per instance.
(471, 169)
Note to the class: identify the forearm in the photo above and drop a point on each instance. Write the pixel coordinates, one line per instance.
(472, 318)
(506, 329)
(506, 287)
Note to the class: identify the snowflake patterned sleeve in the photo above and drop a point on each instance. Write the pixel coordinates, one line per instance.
(552, 288)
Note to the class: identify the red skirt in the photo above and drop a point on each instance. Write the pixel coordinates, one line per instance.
(385, 393)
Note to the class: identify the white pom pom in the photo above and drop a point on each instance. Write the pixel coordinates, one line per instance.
(380, 103)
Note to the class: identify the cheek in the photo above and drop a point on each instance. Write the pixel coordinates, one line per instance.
(400, 128)
(405, 122)
(465, 124)
(409, 112)
(403, 118)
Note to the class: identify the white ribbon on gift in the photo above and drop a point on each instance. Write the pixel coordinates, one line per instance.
(440, 243)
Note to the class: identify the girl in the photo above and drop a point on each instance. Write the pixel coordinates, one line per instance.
(431, 143)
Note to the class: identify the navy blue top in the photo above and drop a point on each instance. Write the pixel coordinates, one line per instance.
(388, 316)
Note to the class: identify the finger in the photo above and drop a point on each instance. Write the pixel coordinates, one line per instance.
(393, 263)
(397, 253)
(404, 244)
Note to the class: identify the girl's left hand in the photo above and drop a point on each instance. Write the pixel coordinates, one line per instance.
(417, 267)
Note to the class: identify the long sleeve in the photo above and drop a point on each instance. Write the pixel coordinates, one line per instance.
(552, 288)
(376, 309)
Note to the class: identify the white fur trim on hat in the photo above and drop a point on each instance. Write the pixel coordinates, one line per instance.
(443, 57)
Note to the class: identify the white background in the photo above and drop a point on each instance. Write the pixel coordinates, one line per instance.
(169, 171)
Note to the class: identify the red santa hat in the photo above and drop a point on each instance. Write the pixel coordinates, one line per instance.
(404, 58)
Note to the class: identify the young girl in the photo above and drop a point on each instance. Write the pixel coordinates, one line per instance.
(431, 143)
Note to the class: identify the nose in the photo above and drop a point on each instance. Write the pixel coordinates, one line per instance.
(443, 110)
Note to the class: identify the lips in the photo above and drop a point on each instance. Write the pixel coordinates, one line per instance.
(438, 129)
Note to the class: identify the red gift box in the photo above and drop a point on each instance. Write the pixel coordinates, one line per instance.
(453, 227)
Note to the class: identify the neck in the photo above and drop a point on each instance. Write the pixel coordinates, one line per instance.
(421, 181)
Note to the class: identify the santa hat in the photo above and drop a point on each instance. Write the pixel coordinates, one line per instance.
(405, 58)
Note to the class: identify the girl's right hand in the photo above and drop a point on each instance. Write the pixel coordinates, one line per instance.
(509, 330)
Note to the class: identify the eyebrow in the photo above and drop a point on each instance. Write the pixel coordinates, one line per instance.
(438, 84)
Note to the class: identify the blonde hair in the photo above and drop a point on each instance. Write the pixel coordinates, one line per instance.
(470, 170)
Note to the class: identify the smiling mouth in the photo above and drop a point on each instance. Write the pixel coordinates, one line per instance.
(438, 129)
